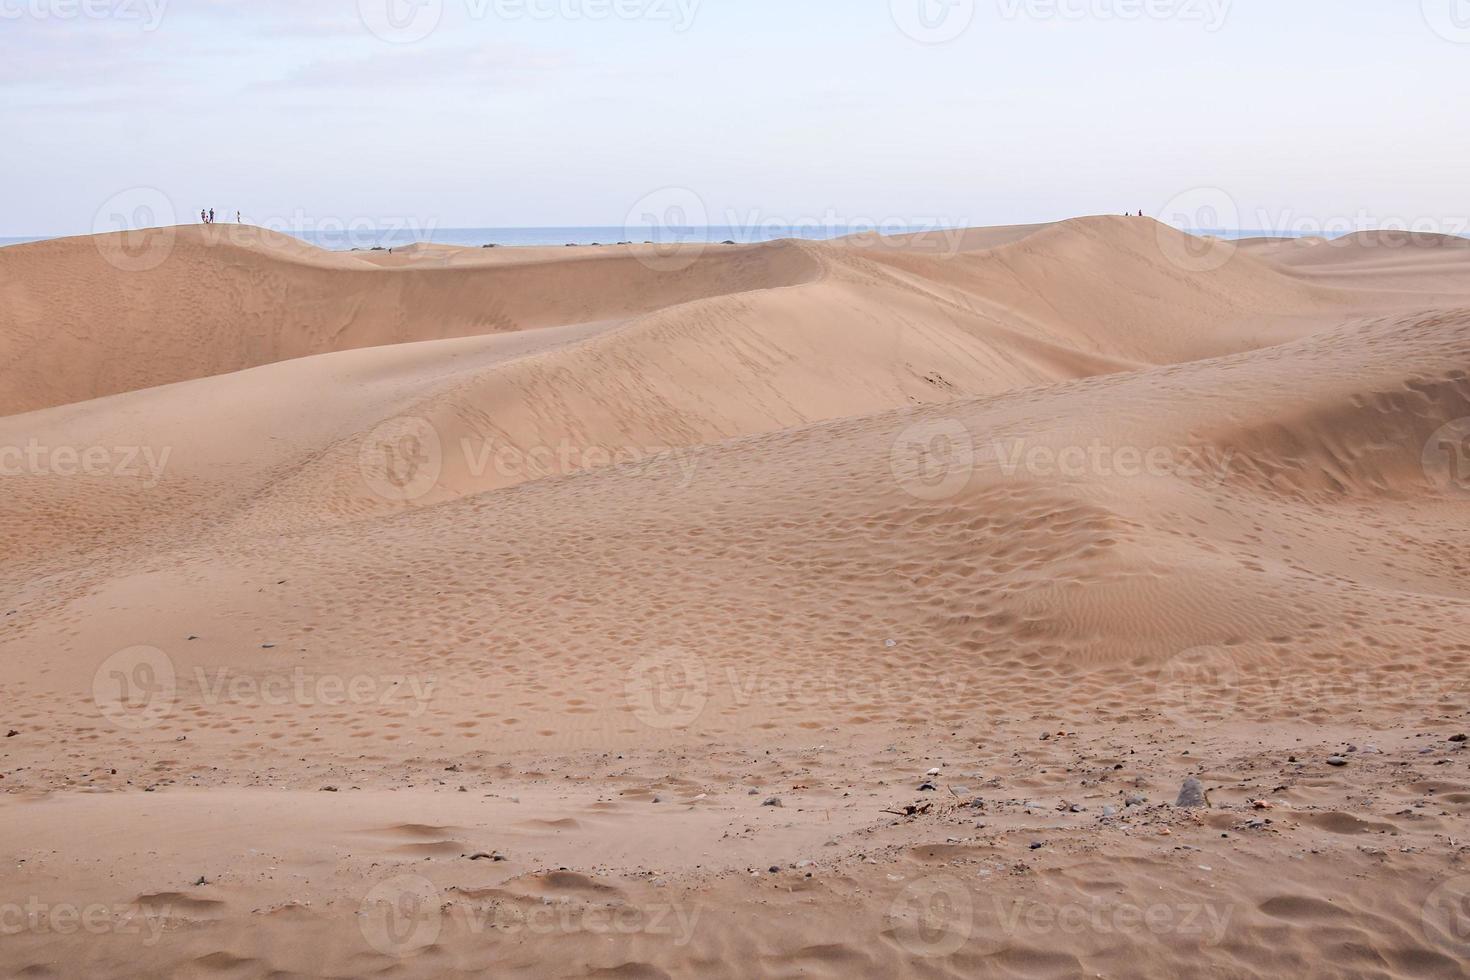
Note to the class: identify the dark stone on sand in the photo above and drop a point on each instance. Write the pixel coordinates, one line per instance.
(1192, 795)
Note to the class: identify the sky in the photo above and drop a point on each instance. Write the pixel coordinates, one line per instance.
(1276, 114)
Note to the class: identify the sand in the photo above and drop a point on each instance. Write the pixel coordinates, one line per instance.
(801, 609)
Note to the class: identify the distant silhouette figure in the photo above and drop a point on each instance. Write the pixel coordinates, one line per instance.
(203, 216)
(237, 218)
(211, 215)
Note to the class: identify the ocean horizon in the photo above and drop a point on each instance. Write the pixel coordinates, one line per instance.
(364, 239)
(369, 238)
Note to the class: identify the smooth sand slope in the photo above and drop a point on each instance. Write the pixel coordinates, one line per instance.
(603, 612)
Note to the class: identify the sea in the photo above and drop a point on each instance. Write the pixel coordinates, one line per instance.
(346, 239)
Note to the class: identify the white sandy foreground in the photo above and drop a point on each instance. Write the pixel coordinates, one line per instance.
(821, 610)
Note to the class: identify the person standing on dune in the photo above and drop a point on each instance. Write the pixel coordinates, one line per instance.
(211, 215)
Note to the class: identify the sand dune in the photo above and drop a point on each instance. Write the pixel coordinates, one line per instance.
(556, 566)
(742, 341)
(91, 323)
